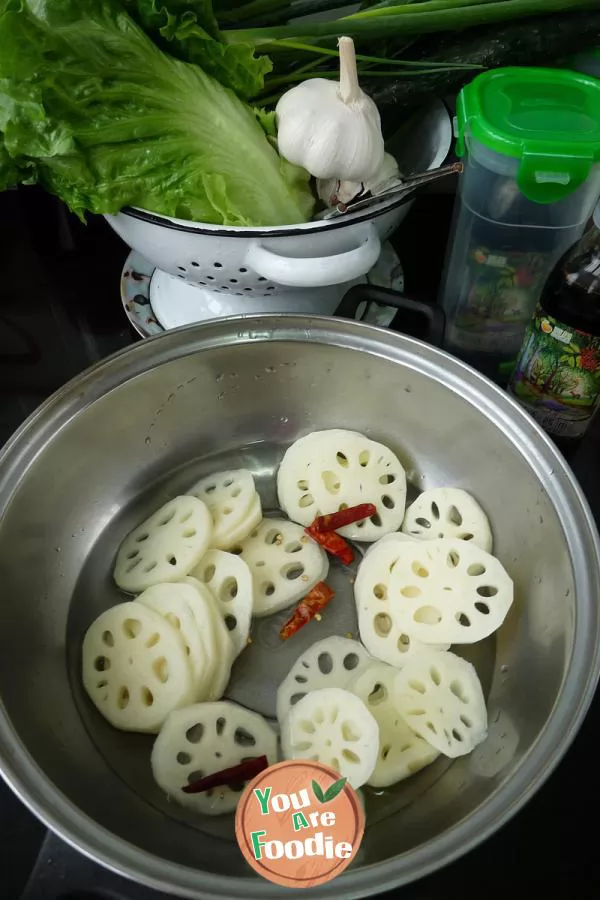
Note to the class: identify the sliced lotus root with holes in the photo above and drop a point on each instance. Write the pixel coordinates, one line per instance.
(229, 580)
(204, 739)
(230, 497)
(397, 536)
(165, 547)
(208, 612)
(333, 727)
(402, 753)
(201, 606)
(440, 697)
(135, 668)
(448, 592)
(284, 562)
(247, 525)
(331, 470)
(174, 602)
(380, 631)
(448, 513)
(332, 662)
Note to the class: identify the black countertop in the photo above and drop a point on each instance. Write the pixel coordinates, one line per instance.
(60, 311)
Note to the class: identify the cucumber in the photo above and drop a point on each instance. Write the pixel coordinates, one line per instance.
(543, 40)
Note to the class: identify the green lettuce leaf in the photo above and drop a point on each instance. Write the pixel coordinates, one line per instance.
(189, 31)
(92, 109)
(9, 173)
(267, 120)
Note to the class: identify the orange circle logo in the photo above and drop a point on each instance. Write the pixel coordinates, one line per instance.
(546, 326)
(299, 824)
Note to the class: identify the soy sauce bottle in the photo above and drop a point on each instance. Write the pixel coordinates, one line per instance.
(557, 375)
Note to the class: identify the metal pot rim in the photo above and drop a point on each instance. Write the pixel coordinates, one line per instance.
(56, 811)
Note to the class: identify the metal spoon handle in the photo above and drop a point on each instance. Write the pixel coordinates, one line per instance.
(399, 188)
(414, 181)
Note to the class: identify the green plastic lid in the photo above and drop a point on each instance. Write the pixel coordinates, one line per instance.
(547, 118)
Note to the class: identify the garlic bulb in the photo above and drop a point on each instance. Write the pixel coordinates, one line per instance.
(334, 192)
(386, 176)
(331, 129)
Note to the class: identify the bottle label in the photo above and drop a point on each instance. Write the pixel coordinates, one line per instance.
(499, 293)
(557, 376)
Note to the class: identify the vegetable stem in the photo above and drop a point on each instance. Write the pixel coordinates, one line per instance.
(410, 21)
(279, 11)
(268, 99)
(426, 6)
(349, 88)
(304, 74)
(254, 8)
(361, 57)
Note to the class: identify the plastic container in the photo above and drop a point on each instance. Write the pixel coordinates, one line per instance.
(531, 138)
(588, 63)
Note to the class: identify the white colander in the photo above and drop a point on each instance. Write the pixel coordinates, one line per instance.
(206, 270)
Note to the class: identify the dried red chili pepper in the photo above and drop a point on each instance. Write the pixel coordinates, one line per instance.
(234, 775)
(333, 543)
(308, 607)
(343, 517)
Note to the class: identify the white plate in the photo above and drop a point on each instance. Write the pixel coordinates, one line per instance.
(154, 302)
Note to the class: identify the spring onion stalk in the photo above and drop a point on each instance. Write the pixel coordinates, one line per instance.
(426, 6)
(276, 9)
(373, 73)
(400, 20)
(361, 57)
(270, 99)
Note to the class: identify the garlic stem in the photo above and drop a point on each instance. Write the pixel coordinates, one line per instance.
(349, 87)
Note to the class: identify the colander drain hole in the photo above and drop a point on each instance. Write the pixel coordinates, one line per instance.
(267, 289)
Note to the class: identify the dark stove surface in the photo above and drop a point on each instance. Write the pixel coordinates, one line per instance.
(60, 311)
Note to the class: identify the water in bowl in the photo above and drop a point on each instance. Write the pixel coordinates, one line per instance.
(261, 667)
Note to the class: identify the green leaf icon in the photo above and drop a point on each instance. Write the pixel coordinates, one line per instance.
(317, 791)
(334, 789)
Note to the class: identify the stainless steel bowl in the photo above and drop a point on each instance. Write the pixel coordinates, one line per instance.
(130, 432)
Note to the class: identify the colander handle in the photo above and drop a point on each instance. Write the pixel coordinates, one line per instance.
(316, 271)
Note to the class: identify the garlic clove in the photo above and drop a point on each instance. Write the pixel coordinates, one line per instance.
(332, 191)
(387, 176)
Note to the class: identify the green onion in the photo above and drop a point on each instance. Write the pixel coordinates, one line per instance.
(361, 57)
(272, 11)
(376, 73)
(425, 6)
(410, 19)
